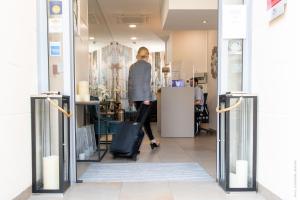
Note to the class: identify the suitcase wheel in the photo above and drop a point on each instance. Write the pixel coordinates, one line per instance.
(134, 157)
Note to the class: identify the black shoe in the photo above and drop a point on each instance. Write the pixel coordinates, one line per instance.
(154, 145)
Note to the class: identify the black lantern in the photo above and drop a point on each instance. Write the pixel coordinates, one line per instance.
(50, 127)
(237, 142)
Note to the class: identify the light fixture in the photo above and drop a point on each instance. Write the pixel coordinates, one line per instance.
(204, 21)
(132, 26)
(91, 38)
(133, 38)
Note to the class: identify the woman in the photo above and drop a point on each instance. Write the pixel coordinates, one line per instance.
(139, 90)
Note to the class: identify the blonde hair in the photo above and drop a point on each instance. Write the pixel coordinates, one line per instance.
(142, 53)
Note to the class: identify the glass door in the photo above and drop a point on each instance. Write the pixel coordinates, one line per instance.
(221, 144)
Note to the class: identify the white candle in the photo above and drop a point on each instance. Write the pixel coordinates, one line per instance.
(82, 156)
(78, 97)
(85, 97)
(233, 180)
(51, 172)
(240, 178)
(83, 88)
(242, 172)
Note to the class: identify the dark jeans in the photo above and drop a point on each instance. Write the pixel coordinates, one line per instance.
(197, 118)
(142, 109)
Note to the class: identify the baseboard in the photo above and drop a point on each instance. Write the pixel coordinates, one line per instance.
(25, 195)
(266, 193)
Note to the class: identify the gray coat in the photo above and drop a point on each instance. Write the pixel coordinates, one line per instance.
(139, 79)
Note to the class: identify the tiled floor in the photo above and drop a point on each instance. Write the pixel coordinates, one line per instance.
(201, 149)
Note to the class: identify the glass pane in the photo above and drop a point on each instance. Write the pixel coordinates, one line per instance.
(222, 145)
(66, 145)
(55, 44)
(235, 65)
(47, 145)
(241, 144)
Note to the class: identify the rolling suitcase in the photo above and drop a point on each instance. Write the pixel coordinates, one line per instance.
(128, 139)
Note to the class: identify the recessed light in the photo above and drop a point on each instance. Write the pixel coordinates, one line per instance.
(133, 38)
(204, 21)
(132, 26)
(91, 38)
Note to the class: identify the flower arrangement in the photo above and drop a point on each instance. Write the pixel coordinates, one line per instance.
(100, 91)
(103, 92)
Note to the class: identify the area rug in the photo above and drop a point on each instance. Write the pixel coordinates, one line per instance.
(144, 172)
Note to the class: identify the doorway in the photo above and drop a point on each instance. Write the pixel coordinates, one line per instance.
(102, 30)
(231, 73)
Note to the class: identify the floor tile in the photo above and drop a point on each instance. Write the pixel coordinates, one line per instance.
(146, 191)
(94, 191)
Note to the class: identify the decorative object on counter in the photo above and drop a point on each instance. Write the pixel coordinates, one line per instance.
(166, 70)
(83, 91)
(101, 92)
(120, 114)
(214, 62)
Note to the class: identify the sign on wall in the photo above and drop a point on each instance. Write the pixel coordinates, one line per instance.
(234, 22)
(276, 8)
(55, 48)
(55, 7)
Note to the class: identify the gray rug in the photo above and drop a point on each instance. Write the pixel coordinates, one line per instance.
(144, 172)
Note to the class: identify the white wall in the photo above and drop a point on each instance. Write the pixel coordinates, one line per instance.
(189, 48)
(82, 45)
(164, 11)
(168, 50)
(193, 4)
(275, 72)
(18, 80)
(186, 49)
(212, 98)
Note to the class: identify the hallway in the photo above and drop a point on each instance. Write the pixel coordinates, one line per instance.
(200, 149)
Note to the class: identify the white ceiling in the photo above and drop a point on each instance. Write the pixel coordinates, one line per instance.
(110, 28)
(191, 20)
(105, 22)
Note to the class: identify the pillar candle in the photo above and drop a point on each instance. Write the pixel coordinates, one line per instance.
(83, 87)
(51, 172)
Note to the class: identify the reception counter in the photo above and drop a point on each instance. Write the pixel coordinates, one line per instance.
(176, 107)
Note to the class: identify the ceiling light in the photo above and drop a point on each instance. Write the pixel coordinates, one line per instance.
(91, 38)
(132, 26)
(133, 38)
(204, 21)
